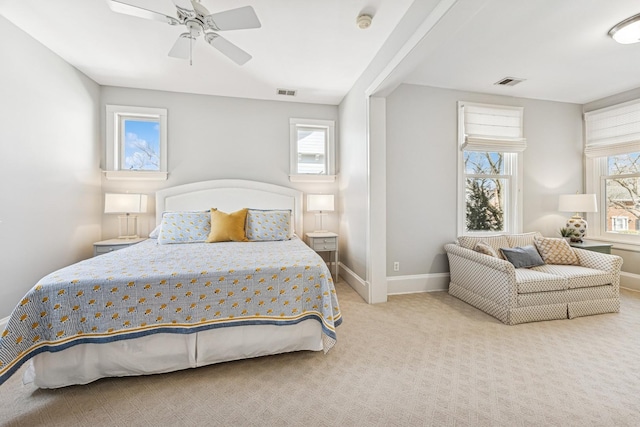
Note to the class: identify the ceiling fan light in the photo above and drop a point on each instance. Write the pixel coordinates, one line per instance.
(627, 31)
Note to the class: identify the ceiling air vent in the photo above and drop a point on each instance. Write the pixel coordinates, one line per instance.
(509, 81)
(286, 92)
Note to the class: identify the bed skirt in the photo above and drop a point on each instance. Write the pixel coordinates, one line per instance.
(164, 352)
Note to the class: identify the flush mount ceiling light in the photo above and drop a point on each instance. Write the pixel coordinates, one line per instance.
(627, 31)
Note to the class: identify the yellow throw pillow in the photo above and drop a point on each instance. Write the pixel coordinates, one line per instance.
(227, 227)
(556, 251)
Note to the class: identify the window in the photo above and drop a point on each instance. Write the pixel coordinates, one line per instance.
(312, 150)
(619, 223)
(489, 163)
(136, 142)
(612, 152)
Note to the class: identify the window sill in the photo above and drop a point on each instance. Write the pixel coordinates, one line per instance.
(312, 178)
(135, 175)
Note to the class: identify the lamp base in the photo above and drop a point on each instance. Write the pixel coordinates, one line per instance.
(128, 226)
(320, 228)
(579, 227)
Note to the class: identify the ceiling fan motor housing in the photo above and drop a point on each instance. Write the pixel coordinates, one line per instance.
(195, 28)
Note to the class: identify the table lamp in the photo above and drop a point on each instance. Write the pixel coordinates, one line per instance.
(320, 203)
(577, 203)
(125, 205)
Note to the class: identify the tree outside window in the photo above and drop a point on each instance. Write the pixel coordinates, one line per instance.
(484, 187)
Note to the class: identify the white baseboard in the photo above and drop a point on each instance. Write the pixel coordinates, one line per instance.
(630, 281)
(3, 323)
(355, 281)
(398, 285)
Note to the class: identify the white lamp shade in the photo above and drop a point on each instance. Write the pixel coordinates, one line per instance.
(578, 203)
(125, 203)
(320, 203)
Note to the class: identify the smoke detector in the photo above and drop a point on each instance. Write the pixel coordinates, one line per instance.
(364, 21)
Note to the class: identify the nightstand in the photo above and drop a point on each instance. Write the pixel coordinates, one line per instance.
(111, 245)
(594, 246)
(325, 242)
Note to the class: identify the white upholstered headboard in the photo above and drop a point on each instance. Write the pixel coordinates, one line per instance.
(229, 195)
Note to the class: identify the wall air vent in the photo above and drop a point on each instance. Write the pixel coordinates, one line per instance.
(286, 92)
(509, 81)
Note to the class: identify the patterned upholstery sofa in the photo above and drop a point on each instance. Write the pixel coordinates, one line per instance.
(520, 295)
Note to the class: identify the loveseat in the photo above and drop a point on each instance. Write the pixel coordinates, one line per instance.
(571, 282)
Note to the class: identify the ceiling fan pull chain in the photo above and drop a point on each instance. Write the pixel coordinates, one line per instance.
(190, 51)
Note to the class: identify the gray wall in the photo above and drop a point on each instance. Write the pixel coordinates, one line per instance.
(213, 137)
(422, 170)
(355, 167)
(49, 174)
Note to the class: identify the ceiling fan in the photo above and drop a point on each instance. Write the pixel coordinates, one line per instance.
(199, 21)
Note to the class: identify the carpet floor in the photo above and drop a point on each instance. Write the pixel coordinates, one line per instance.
(418, 360)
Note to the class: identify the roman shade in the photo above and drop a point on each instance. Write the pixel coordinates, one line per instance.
(492, 128)
(613, 130)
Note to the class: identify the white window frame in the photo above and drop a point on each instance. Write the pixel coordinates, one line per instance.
(330, 150)
(512, 147)
(609, 131)
(114, 142)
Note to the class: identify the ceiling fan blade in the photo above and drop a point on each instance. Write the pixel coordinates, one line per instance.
(185, 6)
(182, 47)
(229, 49)
(127, 9)
(235, 19)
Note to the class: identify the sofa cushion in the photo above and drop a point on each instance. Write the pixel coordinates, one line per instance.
(577, 276)
(532, 280)
(556, 251)
(542, 298)
(495, 241)
(523, 239)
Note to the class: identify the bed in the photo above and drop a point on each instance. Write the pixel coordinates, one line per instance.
(153, 308)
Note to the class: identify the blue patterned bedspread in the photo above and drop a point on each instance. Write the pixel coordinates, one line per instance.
(181, 288)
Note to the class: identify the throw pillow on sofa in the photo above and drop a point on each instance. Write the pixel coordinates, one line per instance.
(496, 241)
(484, 248)
(556, 251)
(523, 257)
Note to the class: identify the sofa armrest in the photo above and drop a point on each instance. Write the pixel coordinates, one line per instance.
(599, 261)
(484, 275)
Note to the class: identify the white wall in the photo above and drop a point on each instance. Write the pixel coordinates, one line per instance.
(213, 137)
(422, 173)
(49, 175)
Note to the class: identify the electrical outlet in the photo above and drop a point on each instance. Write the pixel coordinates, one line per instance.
(396, 266)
